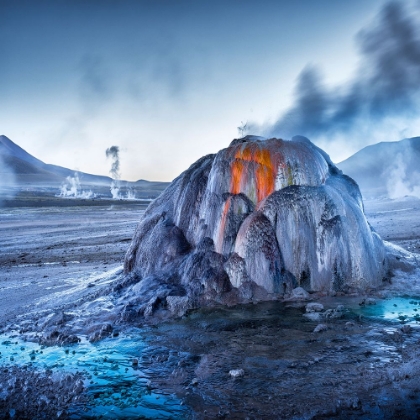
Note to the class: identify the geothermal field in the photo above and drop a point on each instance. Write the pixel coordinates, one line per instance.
(257, 285)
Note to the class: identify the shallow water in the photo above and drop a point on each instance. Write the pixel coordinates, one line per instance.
(272, 342)
(399, 309)
(287, 366)
(117, 388)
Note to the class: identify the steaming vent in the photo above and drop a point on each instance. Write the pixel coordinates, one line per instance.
(71, 188)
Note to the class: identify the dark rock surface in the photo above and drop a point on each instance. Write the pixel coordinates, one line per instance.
(27, 393)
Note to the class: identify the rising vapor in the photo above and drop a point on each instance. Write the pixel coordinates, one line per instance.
(113, 152)
(7, 181)
(386, 85)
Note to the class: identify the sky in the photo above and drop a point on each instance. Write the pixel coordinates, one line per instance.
(168, 81)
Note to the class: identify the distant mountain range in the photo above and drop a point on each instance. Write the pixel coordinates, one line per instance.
(386, 169)
(25, 170)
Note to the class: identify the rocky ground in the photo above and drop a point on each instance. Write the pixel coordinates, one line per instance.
(397, 221)
(356, 368)
(26, 393)
(49, 249)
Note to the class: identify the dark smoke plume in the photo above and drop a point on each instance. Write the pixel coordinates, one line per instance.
(113, 153)
(387, 84)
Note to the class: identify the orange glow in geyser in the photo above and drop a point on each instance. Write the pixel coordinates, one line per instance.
(252, 160)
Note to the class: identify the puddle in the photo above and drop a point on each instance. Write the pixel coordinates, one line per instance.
(400, 309)
(116, 388)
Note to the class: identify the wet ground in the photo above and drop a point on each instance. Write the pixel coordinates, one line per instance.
(365, 363)
(355, 368)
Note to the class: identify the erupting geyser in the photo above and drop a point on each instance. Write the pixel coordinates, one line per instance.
(254, 221)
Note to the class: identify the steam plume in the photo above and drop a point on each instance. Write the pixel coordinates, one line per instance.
(7, 181)
(402, 177)
(113, 153)
(71, 188)
(386, 86)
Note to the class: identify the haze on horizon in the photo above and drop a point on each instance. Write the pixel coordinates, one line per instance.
(169, 82)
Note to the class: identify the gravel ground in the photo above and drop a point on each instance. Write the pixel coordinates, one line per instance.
(48, 249)
(30, 394)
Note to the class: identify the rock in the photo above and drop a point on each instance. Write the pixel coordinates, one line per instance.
(105, 331)
(313, 316)
(314, 307)
(320, 328)
(299, 293)
(406, 329)
(367, 301)
(236, 373)
(45, 393)
(333, 314)
(397, 336)
(178, 305)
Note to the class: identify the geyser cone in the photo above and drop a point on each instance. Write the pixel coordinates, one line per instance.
(252, 222)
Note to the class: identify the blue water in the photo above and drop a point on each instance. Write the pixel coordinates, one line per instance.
(117, 388)
(400, 309)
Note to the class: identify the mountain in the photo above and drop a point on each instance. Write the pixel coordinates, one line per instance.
(27, 169)
(21, 170)
(386, 169)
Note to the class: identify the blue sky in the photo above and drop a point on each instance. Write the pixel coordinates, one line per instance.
(170, 81)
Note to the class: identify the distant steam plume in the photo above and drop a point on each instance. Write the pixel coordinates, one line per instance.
(385, 88)
(7, 181)
(402, 175)
(113, 153)
(71, 188)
